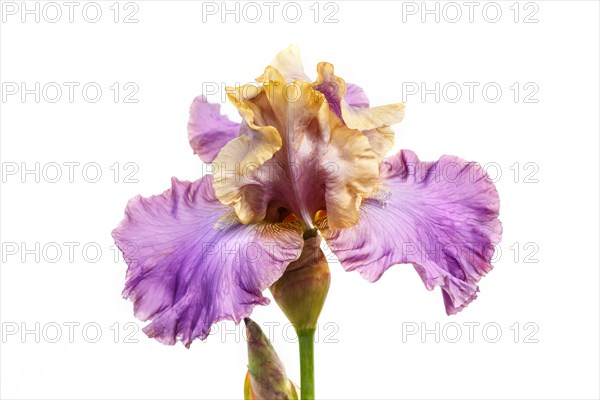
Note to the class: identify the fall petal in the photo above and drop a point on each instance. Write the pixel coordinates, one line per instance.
(192, 263)
(440, 216)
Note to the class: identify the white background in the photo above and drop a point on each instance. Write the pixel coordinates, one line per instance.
(361, 353)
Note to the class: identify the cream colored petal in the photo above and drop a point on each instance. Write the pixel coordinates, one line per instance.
(335, 86)
(289, 63)
(297, 151)
(371, 118)
(259, 138)
(381, 140)
(374, 122)
(352, 170)
(281, 119)
(232, 172)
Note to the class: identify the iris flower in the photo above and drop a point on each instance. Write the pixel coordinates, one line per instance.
(308, 159)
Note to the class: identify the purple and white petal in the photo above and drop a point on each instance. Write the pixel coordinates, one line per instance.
(208, 130)
(192, 263)
(440, 216)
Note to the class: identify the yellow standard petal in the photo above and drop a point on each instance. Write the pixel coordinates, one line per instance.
(352, 172)
(289, 63)
(295, 152)
(274, 114)
(374, 122)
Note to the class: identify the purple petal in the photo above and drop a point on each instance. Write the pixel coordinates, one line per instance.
(355, 96)
(208, 130)
(440, 216)
(191, 263)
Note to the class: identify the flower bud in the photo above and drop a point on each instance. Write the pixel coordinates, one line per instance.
(266, 378)
(302, 289)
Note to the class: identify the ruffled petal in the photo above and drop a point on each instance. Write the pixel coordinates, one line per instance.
(192, 263)
(208, 130)
(240, 173)
(381, 139)
(350, 103)
(350, 170)
(258, 140)
(440, 216)
(321, 162)
(332, 86)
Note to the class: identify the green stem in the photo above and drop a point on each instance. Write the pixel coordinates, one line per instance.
(306, 339)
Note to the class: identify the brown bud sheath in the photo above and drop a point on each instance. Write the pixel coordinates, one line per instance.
(266, 378)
